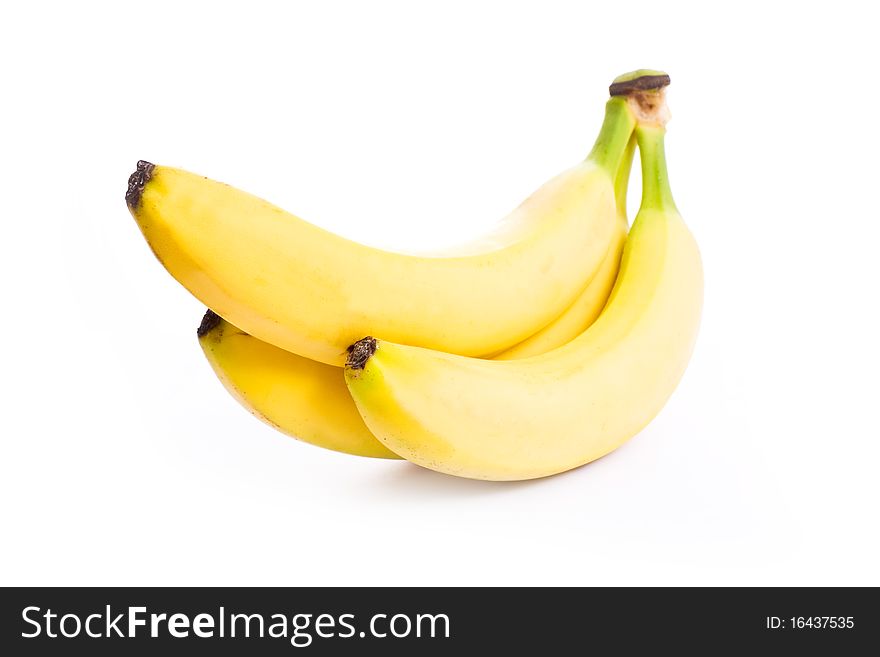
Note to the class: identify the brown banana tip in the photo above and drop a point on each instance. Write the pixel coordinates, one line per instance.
(137, 181)
(209, 323)
(359, 353)
(643, 83)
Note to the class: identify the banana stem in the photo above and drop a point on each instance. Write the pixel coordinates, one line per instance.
(621, 181)
(614, 136)
(656, 193)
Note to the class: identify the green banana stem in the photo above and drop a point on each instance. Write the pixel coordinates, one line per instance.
(656, 193)
(621, 181)
(614, 136)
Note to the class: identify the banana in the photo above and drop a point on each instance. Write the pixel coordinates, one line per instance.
(301, 288)
(512, 420)
(302, 398)
(308, 400)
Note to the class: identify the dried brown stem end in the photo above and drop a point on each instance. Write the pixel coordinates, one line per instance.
(643, 83)
(359, 353)
(209, 322)
(137, 181)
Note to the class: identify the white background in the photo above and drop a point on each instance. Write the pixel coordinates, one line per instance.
(125, 462)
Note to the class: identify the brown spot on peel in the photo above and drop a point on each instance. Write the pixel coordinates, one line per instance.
(137, 181)
(359, 353)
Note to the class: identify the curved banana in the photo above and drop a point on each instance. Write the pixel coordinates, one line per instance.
(301, 288)
(302, 398)
(511, 420)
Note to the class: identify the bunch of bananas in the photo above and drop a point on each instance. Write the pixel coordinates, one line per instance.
(528, 352)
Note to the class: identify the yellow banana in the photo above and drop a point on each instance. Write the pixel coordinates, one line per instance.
(302, 398)
(510, 420)
(303, 289)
